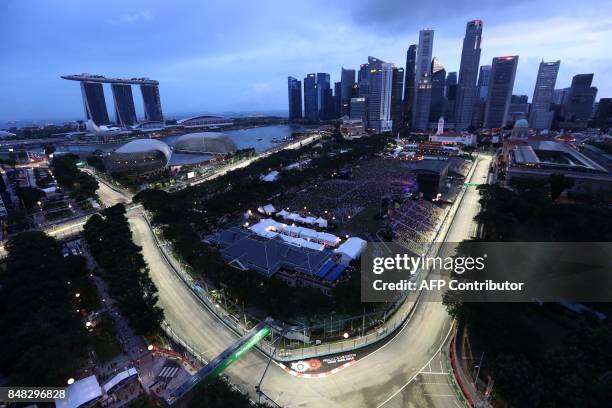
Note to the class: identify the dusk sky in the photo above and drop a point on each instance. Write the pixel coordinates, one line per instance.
(220, 56)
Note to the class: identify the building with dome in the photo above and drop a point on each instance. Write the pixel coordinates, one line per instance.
(139, 157)
(205, 143)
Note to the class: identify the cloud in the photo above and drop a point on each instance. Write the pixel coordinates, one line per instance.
(141, 16)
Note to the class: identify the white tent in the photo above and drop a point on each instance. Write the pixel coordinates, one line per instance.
(272, 176)
(351, 249)
(80, 393)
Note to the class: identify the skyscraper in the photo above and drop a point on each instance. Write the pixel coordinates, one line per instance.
(483, 81)
(325, 104)
(362, 80)
(152, 103)
(125, 112)
(422, 100)
(337, 99)
(503, 72)
(560, 96)
(409, 84)
(310, 97)
(468, 73)
(294, 88)
(396, 97)
(438, 84)
(451, 97)
(519, 108)
(347, 79)
(540, 115)
(95, 104)
(579, 104)
(380, 81)
(603, 116)
(358, 108)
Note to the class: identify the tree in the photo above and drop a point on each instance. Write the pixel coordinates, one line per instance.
(124, 269)
(43, 341)
(29, 196)
(559, 183)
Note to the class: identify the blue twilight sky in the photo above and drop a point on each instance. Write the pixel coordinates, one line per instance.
(220, 56)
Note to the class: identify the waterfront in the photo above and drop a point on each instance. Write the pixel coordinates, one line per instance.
(260, 138)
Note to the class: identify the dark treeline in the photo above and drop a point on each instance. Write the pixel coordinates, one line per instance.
(541, 355)
(81, 185)
(124, 269)
(43, 340)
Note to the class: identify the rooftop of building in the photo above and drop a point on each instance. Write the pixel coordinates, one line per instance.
(551, 154)
(104, 80)
(145, 145)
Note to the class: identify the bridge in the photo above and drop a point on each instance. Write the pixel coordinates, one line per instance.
(223, 360)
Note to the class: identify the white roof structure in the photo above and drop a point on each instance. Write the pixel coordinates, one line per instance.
(145, 145)
(321, 222)
(267, 209)
(116, 380)
(352, 247)
(4, 134)
(304, 237)
(80, 393)
(205, 142)
(272, 176)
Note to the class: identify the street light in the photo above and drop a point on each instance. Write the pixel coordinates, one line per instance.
(150, 347)
(345, 335)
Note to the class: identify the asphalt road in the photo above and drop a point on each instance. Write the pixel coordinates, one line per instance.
(384, 378)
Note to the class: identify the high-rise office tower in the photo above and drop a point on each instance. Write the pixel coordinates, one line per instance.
(451, 97)
(579, 104)
(325, 104)
(347, 79)
(468, 74)
(380, 81)
(125, 112)
(503, 72)
(362, 81)
(438, 84)
(152, 103)
(396, 97)
(358, 108)
(422, 100)
(540, 115)
(603, 116)
(409, 84)
(337, 99)
(94, 103)
(560, 96)
(483, 81)
(519, 108)
(310, 97)
(294, 88)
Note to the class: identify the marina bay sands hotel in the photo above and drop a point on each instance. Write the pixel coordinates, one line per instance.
(125, 111)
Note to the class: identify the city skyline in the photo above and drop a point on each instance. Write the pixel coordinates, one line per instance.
(250, 73)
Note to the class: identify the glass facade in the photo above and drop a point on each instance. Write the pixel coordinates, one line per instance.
(152, 103)
(468, 74)
(503, 72)
(125, 112)
(422, 103)
(294, 88)
(95, 104)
